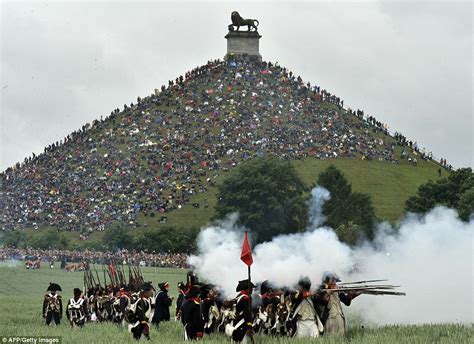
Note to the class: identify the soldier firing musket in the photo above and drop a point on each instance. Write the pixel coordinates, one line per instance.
(303, 318)
(333, 294)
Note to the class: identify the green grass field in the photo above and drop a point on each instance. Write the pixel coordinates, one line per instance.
(21, 295)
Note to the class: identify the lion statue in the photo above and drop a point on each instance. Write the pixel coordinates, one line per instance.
(238, 21)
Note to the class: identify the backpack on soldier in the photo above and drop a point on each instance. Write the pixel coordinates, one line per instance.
(131, 312)
(229, 327)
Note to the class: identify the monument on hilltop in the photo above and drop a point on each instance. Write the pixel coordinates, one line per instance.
(243, 42)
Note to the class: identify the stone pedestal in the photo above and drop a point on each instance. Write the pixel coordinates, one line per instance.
(243, 42)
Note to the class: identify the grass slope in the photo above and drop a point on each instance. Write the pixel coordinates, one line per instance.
(21, 294)
(389, 185)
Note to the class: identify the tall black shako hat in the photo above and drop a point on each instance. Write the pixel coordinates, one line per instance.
(77, 291)
(192, 278)
(147, 286)
(266, 287)
(304, 283)
(244, 285)
(163, 286)
(206, 288)
(54, 287)
(193, 292)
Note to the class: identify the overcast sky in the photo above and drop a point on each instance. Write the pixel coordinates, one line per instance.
(64, 64)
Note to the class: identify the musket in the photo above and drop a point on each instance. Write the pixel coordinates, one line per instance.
(86, 279)
(124, 277)
(142, 280)
(371, 291)
(135, 276)
(344, 289)
(362, 282)
(98, 279)
(92, 279)
(110, 276)
(117, 272)
(365, 287)
(368, 286)
(140, 276)
(121, 276)
(384, 292)
(105, 278)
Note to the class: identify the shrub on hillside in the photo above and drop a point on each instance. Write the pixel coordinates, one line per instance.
(268, 195)
(456, 191)
(347, 211)
(167, 239)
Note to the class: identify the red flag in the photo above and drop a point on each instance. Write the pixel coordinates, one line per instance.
(246, 255)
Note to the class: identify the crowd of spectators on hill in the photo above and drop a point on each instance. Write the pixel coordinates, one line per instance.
(155, 155)
(126, 257)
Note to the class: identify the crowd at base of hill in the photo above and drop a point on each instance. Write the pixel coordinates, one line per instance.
(152, 157)
(127, 257)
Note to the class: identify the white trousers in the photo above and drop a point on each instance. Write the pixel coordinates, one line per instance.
(306, 328)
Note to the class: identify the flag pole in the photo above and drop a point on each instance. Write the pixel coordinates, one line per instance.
(250, 281)
(248, 266)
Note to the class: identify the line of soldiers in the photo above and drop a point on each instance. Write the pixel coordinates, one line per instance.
(277, 312)
(202, 310)
(129, 306)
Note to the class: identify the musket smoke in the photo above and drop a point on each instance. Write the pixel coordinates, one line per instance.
(319, 196)
(10, 263)
(430, 256)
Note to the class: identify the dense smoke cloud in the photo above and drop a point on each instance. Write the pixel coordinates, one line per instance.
(430, 256)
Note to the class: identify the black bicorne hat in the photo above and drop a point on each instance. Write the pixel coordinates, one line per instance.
(77, 291)
(54, 287)
(244, 285)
